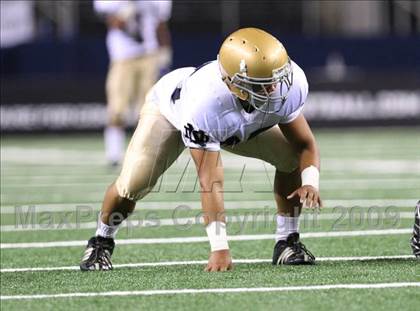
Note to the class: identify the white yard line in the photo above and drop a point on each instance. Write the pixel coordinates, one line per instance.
(251, 218)
(63, 158)
(356, 183)
(202, 262)
(190, 187)
(162, 205)
(216, 290)
(199, 239)
(21, 198)
(102, 177)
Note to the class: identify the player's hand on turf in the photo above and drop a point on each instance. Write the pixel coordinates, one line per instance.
(308, 196)
(219, 261)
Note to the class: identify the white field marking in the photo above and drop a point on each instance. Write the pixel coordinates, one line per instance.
(20, 197)
(58, 163)
(200, 239)
(97, 176)
(9, 174)
(202, 262)
(53, 196)
(372, 166)
(327, 184)
(215, 290)
(50, 156)
(357, 168)
(196, 205)
(186, 222)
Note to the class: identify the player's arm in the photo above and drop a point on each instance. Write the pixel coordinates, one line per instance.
(299, 134)
(163, 34)
(210, 173)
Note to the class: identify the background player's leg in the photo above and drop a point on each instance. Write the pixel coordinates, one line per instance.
(147, 74)
(119, 88)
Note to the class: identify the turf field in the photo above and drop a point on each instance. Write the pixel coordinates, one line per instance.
(52, 186)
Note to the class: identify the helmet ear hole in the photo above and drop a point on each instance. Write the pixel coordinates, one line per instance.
(227, 81)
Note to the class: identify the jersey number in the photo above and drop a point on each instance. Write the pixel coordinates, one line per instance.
(197, 137)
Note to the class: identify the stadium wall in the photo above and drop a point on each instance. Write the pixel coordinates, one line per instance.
(373, 81)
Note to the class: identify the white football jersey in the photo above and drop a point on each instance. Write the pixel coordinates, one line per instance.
(139, 37)
(199, 104)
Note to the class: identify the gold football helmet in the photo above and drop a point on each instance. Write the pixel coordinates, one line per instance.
(256, 68)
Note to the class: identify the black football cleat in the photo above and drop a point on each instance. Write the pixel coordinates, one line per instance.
(415, 240)
(97, 255)
(292, 252)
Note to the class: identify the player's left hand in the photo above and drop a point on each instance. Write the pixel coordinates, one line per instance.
(308, 196)
(219, 261)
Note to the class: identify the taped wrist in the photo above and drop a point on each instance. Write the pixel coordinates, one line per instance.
(216, 232)
(310, 176)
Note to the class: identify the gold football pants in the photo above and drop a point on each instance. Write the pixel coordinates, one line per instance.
(128, 81)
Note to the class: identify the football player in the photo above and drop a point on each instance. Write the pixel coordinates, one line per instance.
(138, 43)
(249, 102)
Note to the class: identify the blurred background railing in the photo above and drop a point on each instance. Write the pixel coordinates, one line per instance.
(362, 58)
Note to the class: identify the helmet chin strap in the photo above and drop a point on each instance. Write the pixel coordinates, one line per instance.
(248, 108)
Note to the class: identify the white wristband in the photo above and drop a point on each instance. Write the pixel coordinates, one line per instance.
(310, 176)
(216, 232)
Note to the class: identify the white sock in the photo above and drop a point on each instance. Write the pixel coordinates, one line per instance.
(286, 226)
(106, 231)
(114, 137)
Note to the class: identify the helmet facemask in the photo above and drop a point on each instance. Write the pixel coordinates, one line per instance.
(264, 94)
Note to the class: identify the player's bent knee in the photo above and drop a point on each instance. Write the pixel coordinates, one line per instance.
(132, 190)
